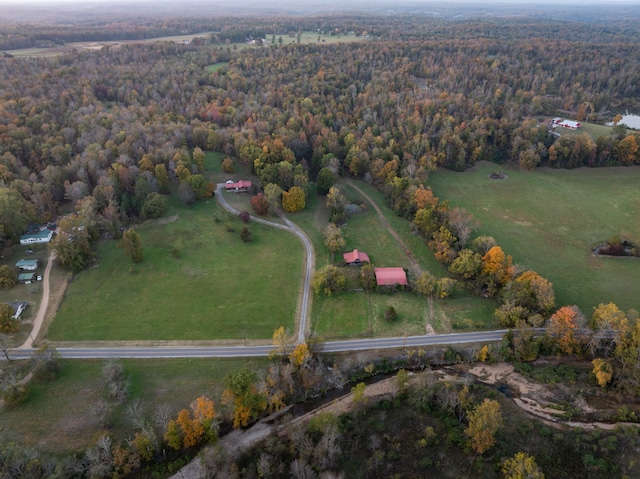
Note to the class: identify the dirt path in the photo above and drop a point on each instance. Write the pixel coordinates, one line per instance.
(44, 304)
(305, 297)
(414, 263)
(417, 269)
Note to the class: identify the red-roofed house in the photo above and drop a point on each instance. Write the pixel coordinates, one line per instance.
(571, 125)
(241, 185)
(390, 276)
(356, 257)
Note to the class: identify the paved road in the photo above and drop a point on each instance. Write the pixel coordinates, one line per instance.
(306, 296)
(156, 352)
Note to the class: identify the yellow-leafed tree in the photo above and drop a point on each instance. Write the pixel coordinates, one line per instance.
(603, 371)
(294, 199)
(484, 422)
(522, 466)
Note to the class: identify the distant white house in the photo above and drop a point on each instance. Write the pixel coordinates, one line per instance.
(43, 236)
(570, 124)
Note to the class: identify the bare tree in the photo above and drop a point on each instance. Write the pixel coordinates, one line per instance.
(99, 458)
(301, 470)
(162, 416)
(135, 414)
(462, 223)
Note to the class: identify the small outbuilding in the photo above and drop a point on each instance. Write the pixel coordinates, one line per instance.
(356, 257)
(27, 264)
(43, 236)
(391, 276)
(28, 278)
(18, 308)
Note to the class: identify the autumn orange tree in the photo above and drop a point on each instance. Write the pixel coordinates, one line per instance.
(484, 421)
(562, 327)
(497, 269)
(191, 427)
(243, 396)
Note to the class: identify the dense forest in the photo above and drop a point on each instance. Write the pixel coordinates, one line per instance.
(101, 123)
(106, 133)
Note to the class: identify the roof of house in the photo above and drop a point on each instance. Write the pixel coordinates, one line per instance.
(356, 256)
(570, 123)
(390, 276)
(45, 233)
(18, 308)
(26, 263)
(238, 185)
(26, 276)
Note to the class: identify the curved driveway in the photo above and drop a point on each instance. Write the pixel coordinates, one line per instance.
(26, 350)
(304, 302)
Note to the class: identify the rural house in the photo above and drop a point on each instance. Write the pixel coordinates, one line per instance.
(571, 125)
(238, 186)
(27, 264)
(43, 236)
(28, 278)
(356, 257)
(390, 276)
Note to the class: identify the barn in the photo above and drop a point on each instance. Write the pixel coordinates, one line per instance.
(391, 276)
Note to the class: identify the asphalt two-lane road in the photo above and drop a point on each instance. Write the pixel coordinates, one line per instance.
(159, 352)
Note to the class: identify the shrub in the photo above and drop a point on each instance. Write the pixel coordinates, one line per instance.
(227, 165)
(246, 235)
(390, 314)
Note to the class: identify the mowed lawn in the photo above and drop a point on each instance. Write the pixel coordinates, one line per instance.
(549, 220)
(357, 314)
(198, 281)
(57, 416)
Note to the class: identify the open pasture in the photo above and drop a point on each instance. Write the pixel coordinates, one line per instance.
(57, 416)
(549, 221)
(198, 281)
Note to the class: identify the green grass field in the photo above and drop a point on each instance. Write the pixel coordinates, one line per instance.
(549, 220)
(215, 67)
(356, 314)
(56, 417)
(198, 281)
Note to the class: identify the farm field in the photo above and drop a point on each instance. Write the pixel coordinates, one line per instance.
(56, 417)
(361, 315)
(305, 38)
(549, 220)
(357, 314)
(198, 281)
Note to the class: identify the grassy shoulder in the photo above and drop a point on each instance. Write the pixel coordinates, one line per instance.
(549, 220)
(198, 281)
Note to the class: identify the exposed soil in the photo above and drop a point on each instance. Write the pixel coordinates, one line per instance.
(536, 399)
